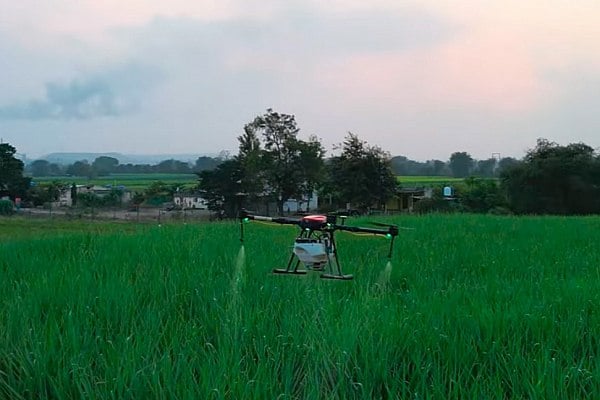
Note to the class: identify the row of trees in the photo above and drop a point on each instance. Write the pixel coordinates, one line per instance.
(460, 165)
(105, 165)
(550, 179)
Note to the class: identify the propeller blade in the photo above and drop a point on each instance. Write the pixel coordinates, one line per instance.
(390, 226)
(382, 224)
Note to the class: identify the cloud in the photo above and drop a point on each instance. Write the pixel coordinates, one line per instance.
(112, 94)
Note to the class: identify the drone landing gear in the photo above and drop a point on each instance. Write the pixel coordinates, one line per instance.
(293, 269)
(289, 270)
(292, 272)
(338, 277)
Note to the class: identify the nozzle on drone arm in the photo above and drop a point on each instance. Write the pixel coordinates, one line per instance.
(391, 248)
(244, 215)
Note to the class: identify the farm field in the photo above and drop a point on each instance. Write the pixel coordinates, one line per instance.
(130, 181)
(473, 307)
(142, 181)
(426, 180)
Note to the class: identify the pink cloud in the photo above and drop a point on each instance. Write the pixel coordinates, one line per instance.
(489, 72)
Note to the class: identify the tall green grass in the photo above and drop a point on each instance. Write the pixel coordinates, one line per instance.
(471, 307)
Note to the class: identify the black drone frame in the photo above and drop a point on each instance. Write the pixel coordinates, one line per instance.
(319, 228)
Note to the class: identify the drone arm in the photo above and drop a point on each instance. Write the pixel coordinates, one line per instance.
(246, 216)
(277, 220)
(393, 231)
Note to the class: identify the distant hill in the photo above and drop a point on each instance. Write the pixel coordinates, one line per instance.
(70, 158)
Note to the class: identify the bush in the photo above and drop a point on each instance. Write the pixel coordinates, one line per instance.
(435, 204)
(6, 207)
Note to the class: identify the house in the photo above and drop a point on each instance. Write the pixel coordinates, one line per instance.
(406, 198)
(304, 204)
(64, 198)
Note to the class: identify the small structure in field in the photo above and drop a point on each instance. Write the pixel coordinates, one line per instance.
(190, 201)
(406, 198)
(65, 197)
(304, 204)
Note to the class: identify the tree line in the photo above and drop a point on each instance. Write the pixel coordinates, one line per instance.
(105, 165)
(274, 164)
(459, 165)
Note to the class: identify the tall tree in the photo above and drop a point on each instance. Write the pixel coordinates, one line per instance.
(289, 163)
(251, 162)
(12, 182)
(361, 174)
(461, 164)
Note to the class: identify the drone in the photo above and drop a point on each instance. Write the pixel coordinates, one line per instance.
(315, 245)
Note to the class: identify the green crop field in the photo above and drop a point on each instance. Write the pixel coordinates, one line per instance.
(426, 180)
(473, 307)
(130, 181)
(142, 181)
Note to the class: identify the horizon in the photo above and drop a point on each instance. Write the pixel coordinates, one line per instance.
(421, 79)
(175, 156)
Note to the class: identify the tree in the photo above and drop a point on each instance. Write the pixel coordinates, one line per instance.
(158, 193)
(105, 165)
(506, 163)
(40, 168)
(361, 175)
(251, 163)
(439, 167)
(173, 167)
(80, 168)
(12, 182)
(554, 179)
(291, 167)
(461, 164)
(204, 162)
(481, 195)
(485, 168)
(220, 187)
(43, 194)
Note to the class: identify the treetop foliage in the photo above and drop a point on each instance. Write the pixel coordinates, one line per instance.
(554, 179)
(12, 182)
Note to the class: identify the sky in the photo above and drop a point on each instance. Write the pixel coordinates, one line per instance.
(421, 79)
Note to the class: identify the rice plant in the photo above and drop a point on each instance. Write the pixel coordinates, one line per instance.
(469, 307)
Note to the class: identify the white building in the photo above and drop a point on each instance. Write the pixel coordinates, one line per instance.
(190, 200)
(305, 204)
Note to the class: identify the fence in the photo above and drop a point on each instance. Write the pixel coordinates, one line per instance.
(118, 214)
